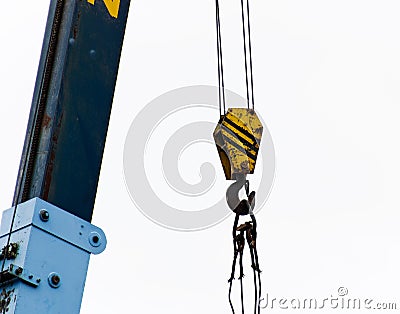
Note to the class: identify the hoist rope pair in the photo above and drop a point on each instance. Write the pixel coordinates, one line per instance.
(248, 58)
(237, 136)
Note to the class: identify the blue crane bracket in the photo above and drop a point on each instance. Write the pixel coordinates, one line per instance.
(46, 260)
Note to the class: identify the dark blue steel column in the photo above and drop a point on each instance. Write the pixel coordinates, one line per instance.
(72, 102)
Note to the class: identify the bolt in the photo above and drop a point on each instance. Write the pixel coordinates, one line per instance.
(38, 280)
(95, 239)
(19, 271)
(55, 279)
(44, 215)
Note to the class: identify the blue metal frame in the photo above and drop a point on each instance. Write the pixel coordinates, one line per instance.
(46, 238)
(48, 273)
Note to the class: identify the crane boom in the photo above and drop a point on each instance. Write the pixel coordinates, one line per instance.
(72, 103)
(46, 238)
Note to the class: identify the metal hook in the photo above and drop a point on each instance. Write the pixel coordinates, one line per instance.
(232, 193)
(241, 207)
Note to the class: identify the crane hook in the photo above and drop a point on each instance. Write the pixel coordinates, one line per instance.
(241, 207)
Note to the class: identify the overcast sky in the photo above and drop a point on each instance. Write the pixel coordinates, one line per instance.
(327, 77)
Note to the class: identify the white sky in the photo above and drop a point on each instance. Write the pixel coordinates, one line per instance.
(327, 77)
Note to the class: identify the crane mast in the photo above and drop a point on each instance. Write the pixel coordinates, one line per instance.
(46, 237)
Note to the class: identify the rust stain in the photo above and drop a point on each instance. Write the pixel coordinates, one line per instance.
(76, 26)
(75, 33)
(46, 121)
(50, 167)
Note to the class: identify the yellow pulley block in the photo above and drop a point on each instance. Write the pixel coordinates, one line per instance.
(238, 136)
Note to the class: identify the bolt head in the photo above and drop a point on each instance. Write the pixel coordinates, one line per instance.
(95, 239)
(44, 215)
(54, 280)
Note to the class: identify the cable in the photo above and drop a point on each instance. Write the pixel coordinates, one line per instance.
(239, 242)
(231, 279)
(218, 57)
(235, 253)
(250, 53)
(257, 265)
(251, 249)
(259, 278)
(249, 227)
(241, 269)
(245, 56)
(222, 63)
(247, 47)
(221, 82)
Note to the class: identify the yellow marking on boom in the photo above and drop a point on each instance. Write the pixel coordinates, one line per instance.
(112, 6)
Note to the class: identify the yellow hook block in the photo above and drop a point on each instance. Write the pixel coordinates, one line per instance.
(238, 136)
